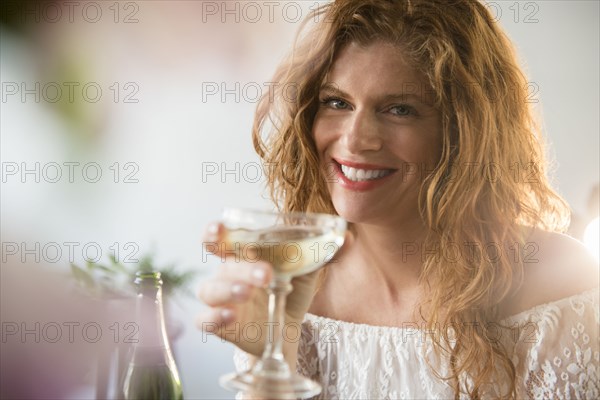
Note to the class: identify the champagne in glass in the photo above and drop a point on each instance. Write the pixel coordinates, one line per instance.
(292, 250)
(295, 244)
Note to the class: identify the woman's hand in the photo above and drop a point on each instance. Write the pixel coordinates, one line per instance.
(238, 300)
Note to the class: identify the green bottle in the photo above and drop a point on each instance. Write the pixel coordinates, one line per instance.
(152, 373)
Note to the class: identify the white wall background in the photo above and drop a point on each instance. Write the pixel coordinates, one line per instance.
(172, 134)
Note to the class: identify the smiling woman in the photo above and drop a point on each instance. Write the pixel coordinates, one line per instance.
(455, 280)
(373, 133)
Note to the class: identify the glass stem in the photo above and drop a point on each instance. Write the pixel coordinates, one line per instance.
(273, 362)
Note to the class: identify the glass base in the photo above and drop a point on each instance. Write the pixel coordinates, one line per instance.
(263, 387)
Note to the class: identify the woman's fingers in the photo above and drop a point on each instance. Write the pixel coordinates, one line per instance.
(222, 292)
(212, 319)
(232, 293)
(234, 282)
(213, 239)
(250, 270)
(251, 273)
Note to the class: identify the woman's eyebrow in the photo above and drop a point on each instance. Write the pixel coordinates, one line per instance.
(332, 89)
(413, 97)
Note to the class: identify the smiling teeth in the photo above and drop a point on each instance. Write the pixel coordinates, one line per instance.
(357, 175)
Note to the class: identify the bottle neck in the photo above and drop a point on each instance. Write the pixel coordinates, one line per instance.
(150, 317)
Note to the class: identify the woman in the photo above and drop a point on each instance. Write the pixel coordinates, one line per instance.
(411, 120)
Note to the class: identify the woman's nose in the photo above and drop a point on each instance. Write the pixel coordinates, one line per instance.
(361, 133)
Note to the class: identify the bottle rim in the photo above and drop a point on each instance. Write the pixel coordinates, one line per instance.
(147, 277)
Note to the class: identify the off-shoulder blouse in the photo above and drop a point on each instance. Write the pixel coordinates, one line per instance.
(554, 347)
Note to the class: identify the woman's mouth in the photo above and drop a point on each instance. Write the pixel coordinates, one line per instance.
(359, 176)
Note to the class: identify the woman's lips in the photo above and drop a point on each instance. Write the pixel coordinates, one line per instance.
(360, 176)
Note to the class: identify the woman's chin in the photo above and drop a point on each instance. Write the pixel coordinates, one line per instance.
(357, 214)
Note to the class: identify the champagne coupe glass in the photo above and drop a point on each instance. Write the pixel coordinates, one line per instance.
(295, 244)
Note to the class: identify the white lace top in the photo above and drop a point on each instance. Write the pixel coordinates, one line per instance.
(554, 347)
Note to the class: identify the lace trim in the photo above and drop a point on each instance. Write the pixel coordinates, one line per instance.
(523, 316)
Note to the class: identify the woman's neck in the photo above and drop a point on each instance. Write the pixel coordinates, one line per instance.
(380, 267)
(391, 253)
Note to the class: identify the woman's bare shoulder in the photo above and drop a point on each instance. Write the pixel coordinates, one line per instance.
(557, 266)
(561, 256)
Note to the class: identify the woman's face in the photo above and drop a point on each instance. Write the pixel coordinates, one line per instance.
(377, 133)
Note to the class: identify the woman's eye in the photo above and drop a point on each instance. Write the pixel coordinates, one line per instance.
(402, 110)
(334, 103)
